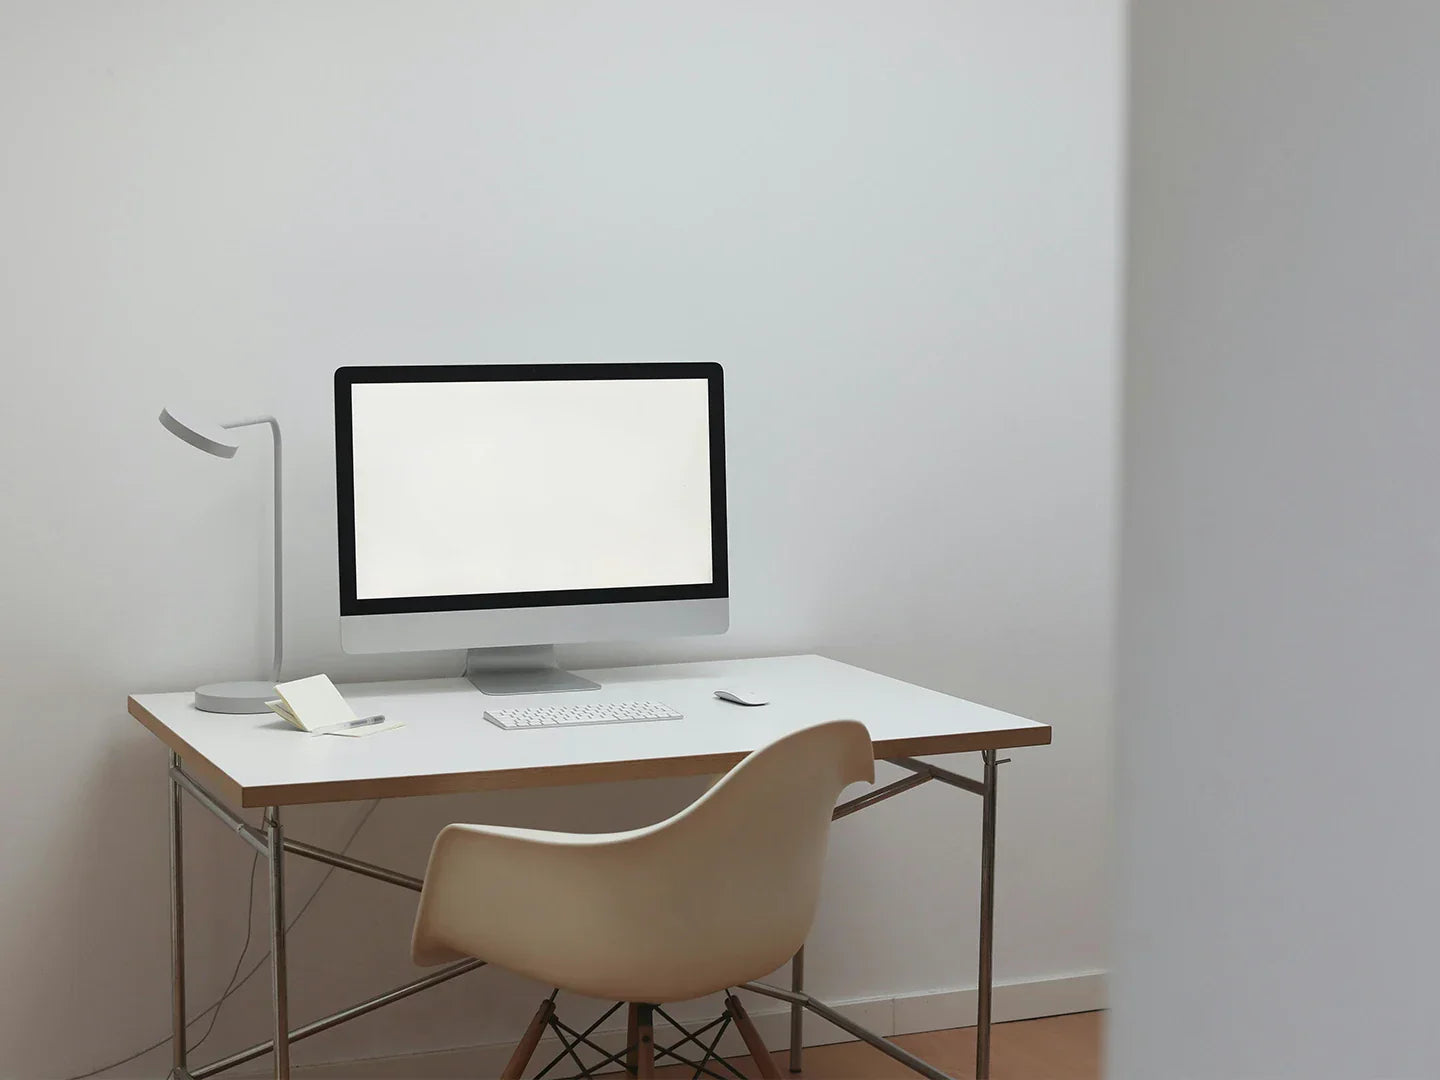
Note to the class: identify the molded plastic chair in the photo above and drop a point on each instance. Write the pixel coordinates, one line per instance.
(723, 892)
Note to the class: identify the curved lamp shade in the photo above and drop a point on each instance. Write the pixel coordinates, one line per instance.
(211, 438)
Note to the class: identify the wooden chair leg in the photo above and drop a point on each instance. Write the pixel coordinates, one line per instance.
(644, 1042)
(531, 1039)
(632, 1040)
(758, 1053)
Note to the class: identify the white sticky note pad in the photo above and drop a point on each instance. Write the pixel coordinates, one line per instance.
(315, 703)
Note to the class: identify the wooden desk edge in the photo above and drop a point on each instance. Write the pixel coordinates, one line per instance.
(196, 763)
(398, 787)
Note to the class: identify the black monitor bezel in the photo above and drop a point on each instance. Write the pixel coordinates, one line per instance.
(346, 377)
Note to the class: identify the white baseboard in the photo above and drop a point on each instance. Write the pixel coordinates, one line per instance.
(903, 1015)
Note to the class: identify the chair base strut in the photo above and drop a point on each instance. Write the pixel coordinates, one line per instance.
(641, 1050)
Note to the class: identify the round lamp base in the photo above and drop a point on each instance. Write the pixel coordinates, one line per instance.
(235, 697)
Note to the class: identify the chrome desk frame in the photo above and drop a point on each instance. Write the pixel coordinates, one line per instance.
(271, 843)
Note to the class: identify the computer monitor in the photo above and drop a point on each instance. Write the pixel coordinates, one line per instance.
(503, 508)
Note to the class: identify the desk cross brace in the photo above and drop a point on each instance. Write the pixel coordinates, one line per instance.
(921, 772)
(273, 844)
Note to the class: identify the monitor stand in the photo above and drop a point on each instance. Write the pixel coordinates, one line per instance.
(521, 669)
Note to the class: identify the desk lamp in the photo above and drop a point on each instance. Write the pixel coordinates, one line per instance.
(238, 697)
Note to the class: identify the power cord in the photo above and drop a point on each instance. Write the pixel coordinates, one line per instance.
(233, 987)
(230, 986)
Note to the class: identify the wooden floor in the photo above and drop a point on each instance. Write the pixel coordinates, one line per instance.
(1055, 1048)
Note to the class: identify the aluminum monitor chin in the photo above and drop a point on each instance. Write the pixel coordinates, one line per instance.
(523, 505)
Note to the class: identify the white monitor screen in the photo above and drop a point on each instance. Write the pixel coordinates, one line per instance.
(514, 486)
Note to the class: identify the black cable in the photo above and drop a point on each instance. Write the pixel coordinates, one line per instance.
(234, 987)
(230, 986)
(306, 906)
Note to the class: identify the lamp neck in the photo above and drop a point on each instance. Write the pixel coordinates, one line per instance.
(279, 559)
(252, 421)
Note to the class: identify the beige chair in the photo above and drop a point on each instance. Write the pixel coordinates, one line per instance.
(722, 893)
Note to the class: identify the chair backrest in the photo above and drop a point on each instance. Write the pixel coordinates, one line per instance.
(727, 889)
(741, 867)
(723, 892)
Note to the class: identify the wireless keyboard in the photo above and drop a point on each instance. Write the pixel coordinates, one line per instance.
(602, 712)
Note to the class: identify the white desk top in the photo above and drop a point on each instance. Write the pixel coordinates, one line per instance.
(448, 746)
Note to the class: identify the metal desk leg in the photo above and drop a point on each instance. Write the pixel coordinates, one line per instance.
(275, 838)
(797, 1012)
(177, 927)
(987, 919)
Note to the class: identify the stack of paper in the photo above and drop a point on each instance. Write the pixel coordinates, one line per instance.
(315, 705)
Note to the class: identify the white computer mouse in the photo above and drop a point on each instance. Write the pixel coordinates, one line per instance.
(742, 697)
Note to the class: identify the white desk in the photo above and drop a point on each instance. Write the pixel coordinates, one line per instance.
(447, 746)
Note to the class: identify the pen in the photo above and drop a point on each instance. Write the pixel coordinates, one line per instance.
(365, 721)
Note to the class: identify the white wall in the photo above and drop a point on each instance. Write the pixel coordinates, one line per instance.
(1280, 598)
(894, 224)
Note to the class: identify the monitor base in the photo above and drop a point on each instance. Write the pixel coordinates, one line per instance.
(521, 669)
